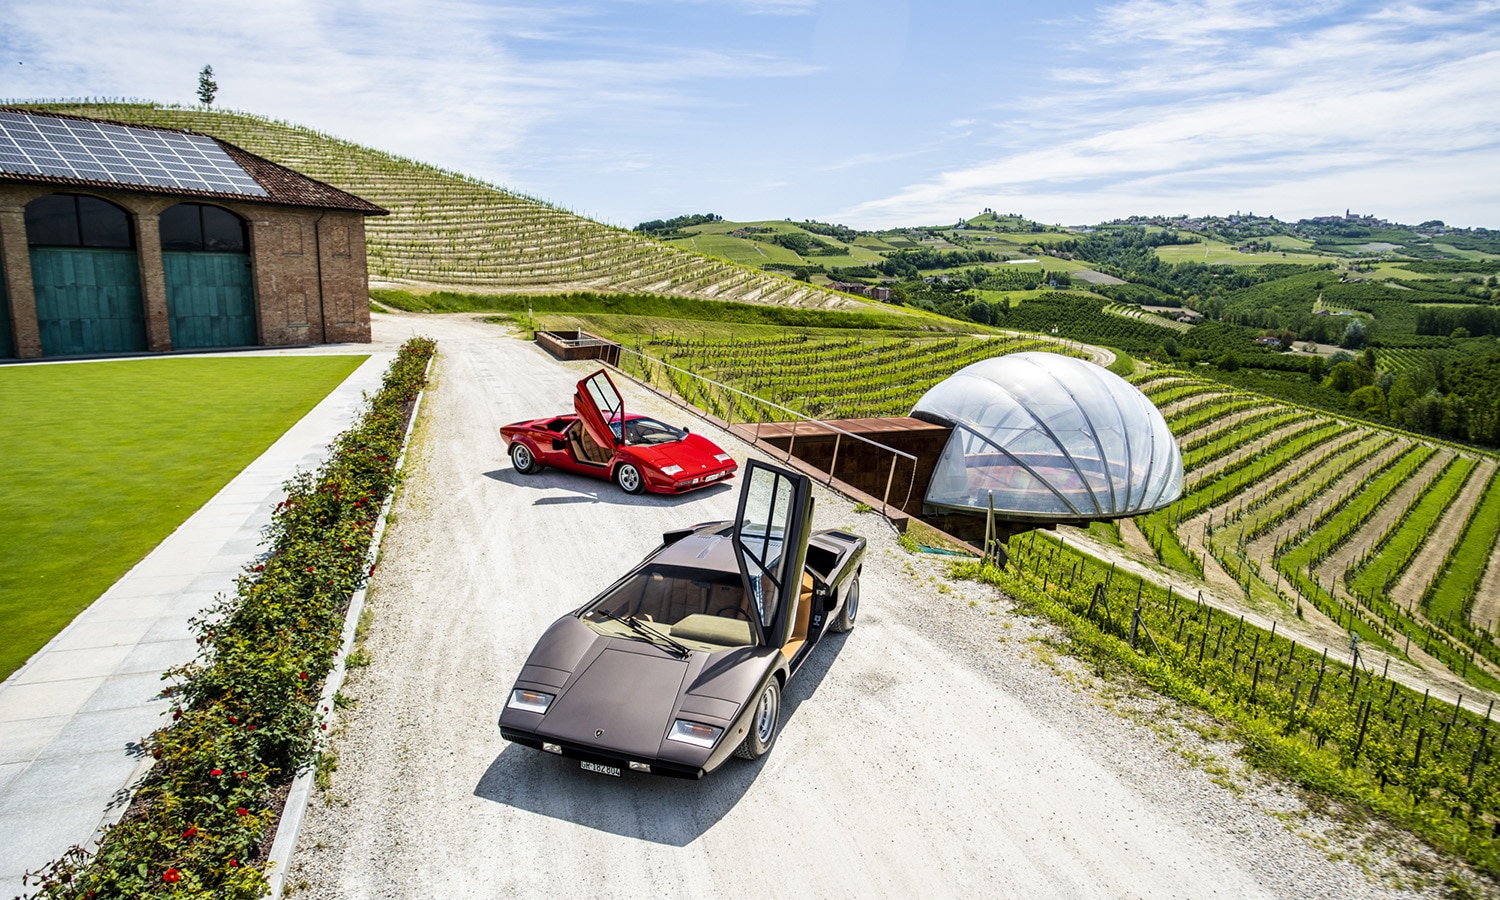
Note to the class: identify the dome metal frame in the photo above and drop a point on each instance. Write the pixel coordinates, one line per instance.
(1049, 438)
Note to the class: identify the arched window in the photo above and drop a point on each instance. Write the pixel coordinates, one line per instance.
(197, 227)
(77, 220)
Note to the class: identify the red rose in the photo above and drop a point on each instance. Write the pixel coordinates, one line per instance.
(171, 876)
(302, 675)
(192, 830)
(234, 864)
(216, 772)
(252, 727)
(243, 811)
(234, 720)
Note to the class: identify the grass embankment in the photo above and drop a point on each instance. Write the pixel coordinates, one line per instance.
(105, 459)
(667, 309)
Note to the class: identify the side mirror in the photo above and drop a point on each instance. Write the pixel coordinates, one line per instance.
(686, 430)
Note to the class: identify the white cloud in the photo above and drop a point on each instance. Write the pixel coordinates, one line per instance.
(1312, 113)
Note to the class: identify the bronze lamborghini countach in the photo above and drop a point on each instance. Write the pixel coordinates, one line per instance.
(682, 662)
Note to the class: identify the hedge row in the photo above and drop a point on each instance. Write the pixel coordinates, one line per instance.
(245, 715)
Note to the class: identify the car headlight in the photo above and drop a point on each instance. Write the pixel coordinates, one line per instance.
(695, 733)
(671, 470)
(723, 457)
(530, 701)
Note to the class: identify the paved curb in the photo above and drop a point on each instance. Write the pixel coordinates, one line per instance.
(290, 823)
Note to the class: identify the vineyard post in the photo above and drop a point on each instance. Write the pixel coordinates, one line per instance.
(1451, 722)
(1364, 720)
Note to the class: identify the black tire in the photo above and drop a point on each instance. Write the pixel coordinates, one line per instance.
(523, 459)
(764, 725)
(628, 477)
(847, 615)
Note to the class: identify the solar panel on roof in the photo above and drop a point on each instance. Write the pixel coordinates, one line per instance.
(95, 151)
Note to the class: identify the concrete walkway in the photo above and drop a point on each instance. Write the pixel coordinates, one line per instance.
(71, 719)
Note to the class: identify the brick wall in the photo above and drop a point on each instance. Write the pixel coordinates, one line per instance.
(311, 285)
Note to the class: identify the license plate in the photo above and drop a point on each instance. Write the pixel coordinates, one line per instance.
(602, 770)
(714, 477)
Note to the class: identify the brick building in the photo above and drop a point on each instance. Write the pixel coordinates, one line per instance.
(126, 239)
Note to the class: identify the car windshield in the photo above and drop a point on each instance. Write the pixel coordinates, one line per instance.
(701, 609)
(650, 431)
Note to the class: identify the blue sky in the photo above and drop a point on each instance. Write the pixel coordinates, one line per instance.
(872, 113)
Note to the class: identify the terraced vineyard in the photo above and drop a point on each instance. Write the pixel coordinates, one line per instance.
(1385, 534)
(843, 378)
(448, 229)
(1125, 310)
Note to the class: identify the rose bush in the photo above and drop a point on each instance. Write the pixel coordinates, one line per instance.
(245, 712)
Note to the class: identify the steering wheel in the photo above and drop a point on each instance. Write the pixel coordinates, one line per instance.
(732, 610)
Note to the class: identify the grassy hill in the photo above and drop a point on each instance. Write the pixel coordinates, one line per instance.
(447, 229)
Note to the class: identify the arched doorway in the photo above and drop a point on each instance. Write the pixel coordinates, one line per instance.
(87, 279)
(210, 289)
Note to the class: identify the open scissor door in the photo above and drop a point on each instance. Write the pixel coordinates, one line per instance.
(770, 544)
(601, 409)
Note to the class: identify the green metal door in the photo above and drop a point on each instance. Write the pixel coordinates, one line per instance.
(7, 338)
(87, 300)
(211, 299)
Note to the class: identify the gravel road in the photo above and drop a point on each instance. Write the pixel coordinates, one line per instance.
(940, 749)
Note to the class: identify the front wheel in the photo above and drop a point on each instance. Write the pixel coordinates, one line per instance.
(523, 459)
(764, 725)
(847, 615)
(628, 477)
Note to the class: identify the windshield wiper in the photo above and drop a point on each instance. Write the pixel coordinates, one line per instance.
(649, 633)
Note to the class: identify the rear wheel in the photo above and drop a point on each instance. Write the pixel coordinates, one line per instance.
(764, 724)
(628, 477)
(523, 459)
(845, 620)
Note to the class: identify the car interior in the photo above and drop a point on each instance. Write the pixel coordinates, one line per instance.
(585, 450)
(699, 607)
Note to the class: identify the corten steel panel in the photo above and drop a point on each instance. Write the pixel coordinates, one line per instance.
(211, 298)
(88, 301)
(561, 345)
(863, 465)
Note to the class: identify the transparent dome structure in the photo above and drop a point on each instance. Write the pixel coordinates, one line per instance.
(1049, 437)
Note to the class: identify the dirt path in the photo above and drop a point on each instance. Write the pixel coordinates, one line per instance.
(1134, 540)
(1424, 566)
(1261, 547)
(1176, 406)
(1213, 467)
(1486, 611)
(932, 752)
(1397, 502)
(1220, 424)
(1282, 497)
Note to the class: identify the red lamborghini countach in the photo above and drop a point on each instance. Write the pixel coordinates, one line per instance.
(602, 440)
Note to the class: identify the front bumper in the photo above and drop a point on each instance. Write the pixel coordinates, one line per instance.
(601, 756)
(692, 484)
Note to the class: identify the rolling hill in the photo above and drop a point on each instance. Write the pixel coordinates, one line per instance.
(450, 230)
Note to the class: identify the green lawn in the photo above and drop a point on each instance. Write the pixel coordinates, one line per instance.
(105, 459)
